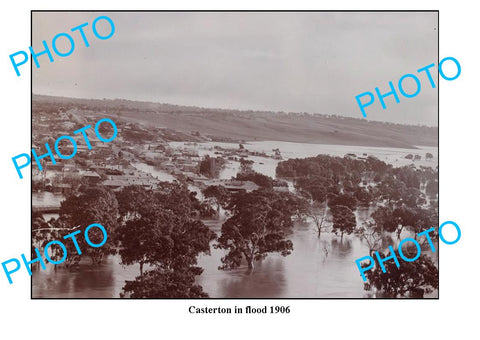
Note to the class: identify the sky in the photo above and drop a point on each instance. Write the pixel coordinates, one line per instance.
(314, 62)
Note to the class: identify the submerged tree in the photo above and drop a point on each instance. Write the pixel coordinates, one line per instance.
(260, 222)
(142, 240)
(411, 279)
(211, 166)
(161, 233)
(134, 201)
(371, 235)
(344, 220)
(384, 219)
(94, 205)
(259, 179)
(217, 193)
(165, 284)
(155, 234)
(345, 200)
(318, 212)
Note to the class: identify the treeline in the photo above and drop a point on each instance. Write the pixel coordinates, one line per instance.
(365, 181)
(159, 228)
(403, 198)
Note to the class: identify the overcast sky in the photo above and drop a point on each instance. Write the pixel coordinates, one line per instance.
(313, 62)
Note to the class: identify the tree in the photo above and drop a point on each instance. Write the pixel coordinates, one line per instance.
(390, 190)
(363, 196)
(245, 165)
(384, 220)
(257, 178)
(94, 205)
(371, 235)
(164, 240)
(134, 201)
(421, 219)
(177, 198)
(157, 229)
(346, 200)
(142, 240)
(165, 284)
(404, 217)
(43, 232)
(432, 188)
(344, 220)
(211, 166)
(317, 211)
(413, 197)
(258, 226)
(315, 187)
(412, 279)
(205, 166)
(219, 194)
(158, 235)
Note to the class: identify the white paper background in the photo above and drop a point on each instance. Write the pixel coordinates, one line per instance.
(453, 316)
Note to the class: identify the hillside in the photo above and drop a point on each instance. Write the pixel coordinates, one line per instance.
(250, 125)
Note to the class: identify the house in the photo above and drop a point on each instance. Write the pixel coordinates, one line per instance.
(114, 184)
(280, 186)
(117, 183)
(65, 189)
(235, 186)
(91, 176)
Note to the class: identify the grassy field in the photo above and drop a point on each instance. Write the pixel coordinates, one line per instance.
(251, 125)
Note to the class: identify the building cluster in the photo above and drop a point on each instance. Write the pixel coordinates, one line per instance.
(139, 155)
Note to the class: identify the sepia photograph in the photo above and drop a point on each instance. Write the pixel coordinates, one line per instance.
(235, 155)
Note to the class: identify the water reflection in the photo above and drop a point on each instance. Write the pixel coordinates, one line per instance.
(102, 281)
(317, 267)
(341, 247)
(267, 280)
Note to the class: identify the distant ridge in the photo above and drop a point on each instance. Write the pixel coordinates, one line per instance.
(251, 125)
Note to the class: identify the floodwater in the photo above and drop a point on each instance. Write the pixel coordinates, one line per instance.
(155, 172)
(394, 156)
(164, 176)
(317, 268)
(45, 198)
